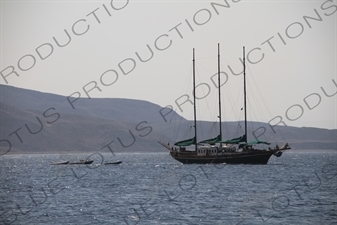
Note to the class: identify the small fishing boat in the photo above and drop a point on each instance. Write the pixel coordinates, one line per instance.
(82, 161)
(60, 163)
(113, 163)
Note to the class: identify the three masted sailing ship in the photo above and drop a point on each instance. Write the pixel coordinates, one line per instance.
(215, 150)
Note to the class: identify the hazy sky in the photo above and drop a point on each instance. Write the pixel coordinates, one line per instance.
(143, 50)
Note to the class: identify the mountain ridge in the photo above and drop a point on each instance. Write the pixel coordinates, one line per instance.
(30, 122)
(105, 108)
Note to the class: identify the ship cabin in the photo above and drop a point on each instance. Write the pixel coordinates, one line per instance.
(207, 150)
(216, 150)
(228, 148)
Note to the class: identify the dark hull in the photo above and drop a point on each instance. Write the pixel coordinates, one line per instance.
(113, 163)
(255, 157)
(83, 162)
(60, 163)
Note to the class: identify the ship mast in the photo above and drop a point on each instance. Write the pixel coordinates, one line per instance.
(195, 108)
(244, 87)
(219, 94)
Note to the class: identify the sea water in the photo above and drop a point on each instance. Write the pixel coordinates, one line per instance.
(297, 188)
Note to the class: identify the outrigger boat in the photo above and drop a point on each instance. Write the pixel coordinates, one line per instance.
(60, 163)
(82, 161)
(113, 163)
(215, 150)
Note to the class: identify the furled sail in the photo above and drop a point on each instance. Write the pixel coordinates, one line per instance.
(187, 142)
(211, 141)
(235, 140)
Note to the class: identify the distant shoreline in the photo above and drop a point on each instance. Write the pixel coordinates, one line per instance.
(138, 152)
(89, 153)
